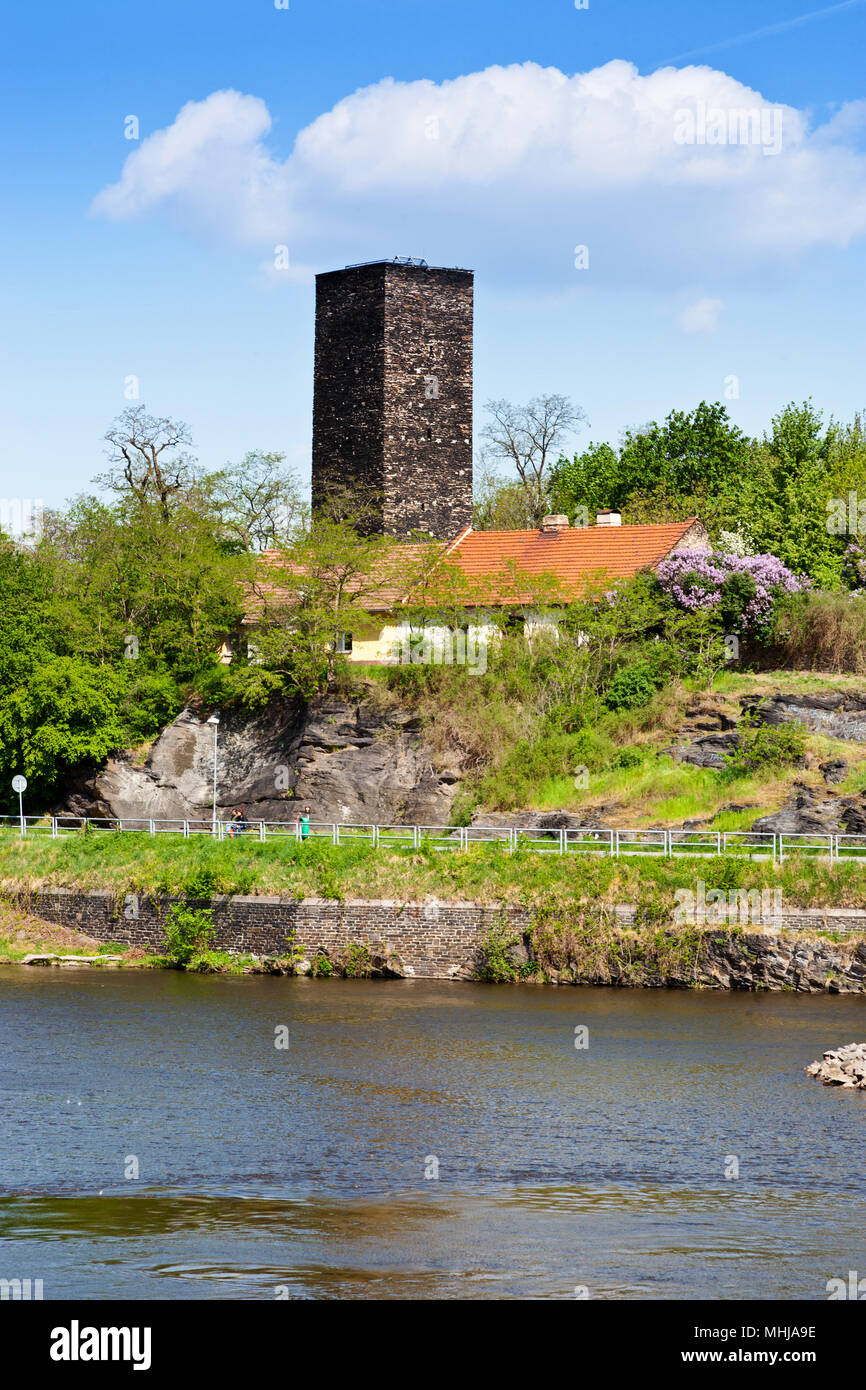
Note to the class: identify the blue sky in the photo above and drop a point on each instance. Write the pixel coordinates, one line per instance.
(508, 135)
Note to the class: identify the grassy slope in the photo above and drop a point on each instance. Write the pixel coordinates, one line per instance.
(659, 792)
(487, 874)
(22, 934)
(662, 792)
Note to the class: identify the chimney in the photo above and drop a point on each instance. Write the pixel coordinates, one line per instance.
(552, 525)
(608, 518)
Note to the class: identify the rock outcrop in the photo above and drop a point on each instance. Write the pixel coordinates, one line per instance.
(839, 714)
(778, 960)
(352, 760)
(723, 959)
(707, 736)
(842, 1066)
(814, 811)
(709, 750)
(834, 771)
(365, 760)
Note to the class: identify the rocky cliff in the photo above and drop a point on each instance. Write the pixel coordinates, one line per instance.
(365, 759)
(350, 760)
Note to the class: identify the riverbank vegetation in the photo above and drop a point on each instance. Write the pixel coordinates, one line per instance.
(23, 934)
(524, 743)
(485, 874)
(589, 945)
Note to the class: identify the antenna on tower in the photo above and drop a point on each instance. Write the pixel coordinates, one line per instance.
(395, 260)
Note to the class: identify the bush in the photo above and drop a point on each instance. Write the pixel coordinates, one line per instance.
(202, 882)
(763, 746)
(743, 590)
(321, 967)
(496, 951)
(632, 686)
(551, 754)
(357, 963)
(188, 933)
(628, 758)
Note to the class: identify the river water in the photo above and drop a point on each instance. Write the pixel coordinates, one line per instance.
(309, 1171)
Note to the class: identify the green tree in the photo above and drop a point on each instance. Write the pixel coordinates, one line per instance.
(691, 452)
(790, 516)
(501, 504)
(257, 503)
(663, 472)
(589, 481)
(56, 711)
(317, 593)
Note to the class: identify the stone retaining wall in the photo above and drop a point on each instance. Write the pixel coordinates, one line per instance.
(439, 940)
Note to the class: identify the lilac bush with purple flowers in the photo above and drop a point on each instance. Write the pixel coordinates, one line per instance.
(854, 568)
(704, 583)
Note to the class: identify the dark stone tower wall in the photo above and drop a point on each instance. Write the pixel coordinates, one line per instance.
(392, 415)
(349, 385)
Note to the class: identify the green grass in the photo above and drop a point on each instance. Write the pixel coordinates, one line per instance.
(793, 682)
(32, 941)
(662, 791)
(485, 873)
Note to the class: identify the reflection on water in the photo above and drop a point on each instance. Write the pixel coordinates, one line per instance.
(303, 1170)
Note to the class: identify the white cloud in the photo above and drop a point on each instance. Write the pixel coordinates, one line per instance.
(209, 167)
(509, 168)
(702, 316)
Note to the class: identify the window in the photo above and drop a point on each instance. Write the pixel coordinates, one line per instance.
(344, 643)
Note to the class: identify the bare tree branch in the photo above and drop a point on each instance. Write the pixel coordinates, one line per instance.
(137, 442)
(530, 437)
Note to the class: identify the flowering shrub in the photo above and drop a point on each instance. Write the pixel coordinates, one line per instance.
(854, 568)
(743, 589)
(738, 542)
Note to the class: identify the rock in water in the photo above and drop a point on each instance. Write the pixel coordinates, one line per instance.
(842, 1066)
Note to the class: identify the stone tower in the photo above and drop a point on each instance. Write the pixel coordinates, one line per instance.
(392, 407)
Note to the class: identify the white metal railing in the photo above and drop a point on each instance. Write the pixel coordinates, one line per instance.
(590, 841)
(752, 844)
(641, 842)
(849, 846)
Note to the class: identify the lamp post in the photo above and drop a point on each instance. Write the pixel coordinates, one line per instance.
(215, 721)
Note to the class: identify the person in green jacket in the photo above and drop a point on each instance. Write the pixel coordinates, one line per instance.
(304, 823)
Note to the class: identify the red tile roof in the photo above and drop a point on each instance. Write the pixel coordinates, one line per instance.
(493, 560)
(572, 554)
(401, 563)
